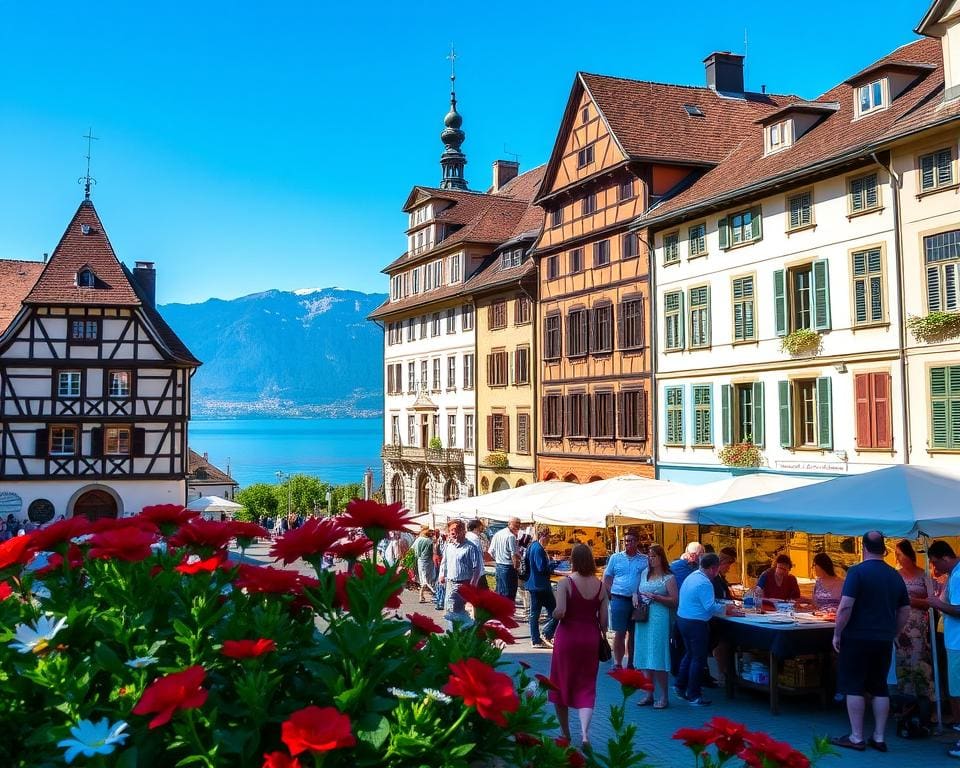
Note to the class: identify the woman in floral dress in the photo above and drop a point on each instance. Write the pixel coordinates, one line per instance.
(651, 644)
(913, 659)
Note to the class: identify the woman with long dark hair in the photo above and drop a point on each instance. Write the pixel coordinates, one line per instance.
(651, 644)
(914, 661)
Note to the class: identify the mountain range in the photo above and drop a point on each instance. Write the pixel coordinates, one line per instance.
(309, 352)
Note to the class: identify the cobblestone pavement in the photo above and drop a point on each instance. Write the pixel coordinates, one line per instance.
(799, 721)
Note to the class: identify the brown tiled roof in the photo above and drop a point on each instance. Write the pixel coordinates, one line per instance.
(524, 186)
(213, 475)
(58, 282)
(491, 276)
(389, 308)
(16, 280)
(837, 137)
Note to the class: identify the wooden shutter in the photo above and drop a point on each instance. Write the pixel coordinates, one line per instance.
(584, 330)
(820, 294)
(780, 301)
(609, 412)
(489, 433)
(726, 412)
(96, 442)
(42, 444)
(938, 408)
(944, 167)
(825, 412)
(593, 342)
(871, 191)
(785, 396)
(708, 318)
(882, 416)
(621, 341)
(927, 179)
(856, 195)
(723, 229)
(863, 405)
(506, 432)
(758, 413)
(933, 289)
(139, 441)
(681, 321)
(641, 415)
(490, 369)
(756, 223)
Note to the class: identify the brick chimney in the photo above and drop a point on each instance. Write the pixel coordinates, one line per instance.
(504, 171)
(724, 72)
(146, 277)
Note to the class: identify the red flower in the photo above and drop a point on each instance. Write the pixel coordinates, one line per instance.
(576, 760)
(765, 745)
(200, 566)
(494, 630)
(376, 518)
(632, 680)
(166, 695)
(352, 549)
(47, 538)
(526, 740)
(280, 760)
(15, 551)
(750, 758)
(317, 729)
(264, 579)
(310, 540)
(245, 532)
(728, 736)
(487, 601)
(562, 741)
(424, 623)
(168, 514)
(247, 649)
(5, 590)
(136, 523)
(697, 739)
(202, 533)
(126, 543)
(480, 685)
(546, 682)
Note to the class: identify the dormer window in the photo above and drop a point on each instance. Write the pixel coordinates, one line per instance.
(86, 278)
(511, 258)
(870, 97)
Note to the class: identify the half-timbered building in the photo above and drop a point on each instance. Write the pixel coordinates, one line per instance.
(94, 385)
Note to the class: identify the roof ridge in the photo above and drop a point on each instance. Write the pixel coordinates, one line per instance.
(702, 88)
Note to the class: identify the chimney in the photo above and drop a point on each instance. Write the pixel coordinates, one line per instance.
(146, 277)
(724, 72)
(504, 171)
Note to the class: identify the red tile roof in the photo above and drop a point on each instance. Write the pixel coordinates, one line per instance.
(212, 474)
(834, 139)
(16, 280)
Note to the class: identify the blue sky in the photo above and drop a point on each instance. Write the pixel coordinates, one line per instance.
(246, 147)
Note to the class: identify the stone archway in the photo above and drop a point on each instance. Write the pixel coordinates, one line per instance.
(451, 491)
(95, 504)
(500, 485)
(396, 489)
(550, 476)
(571, 478)
(520, 483)
(594, 479)
(423, 494)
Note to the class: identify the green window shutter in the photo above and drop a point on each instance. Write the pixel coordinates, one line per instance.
(708, 318)
(825, 411)
(681, 322)
(820, 293)
(938, 408)
(785, 394)
(758, 431)
(953, 405)
(726, 412)
(780, 301)
(756, 223)
(723, 229)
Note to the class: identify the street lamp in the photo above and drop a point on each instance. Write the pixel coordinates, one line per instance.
(281, 475)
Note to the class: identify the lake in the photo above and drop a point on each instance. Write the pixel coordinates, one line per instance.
(335, 450)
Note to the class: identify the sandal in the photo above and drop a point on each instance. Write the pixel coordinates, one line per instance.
(645, 702)
(847, 743)
(661, 704)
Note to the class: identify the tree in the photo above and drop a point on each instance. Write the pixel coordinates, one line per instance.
(306, 494)
(258, 500)
(343, 494)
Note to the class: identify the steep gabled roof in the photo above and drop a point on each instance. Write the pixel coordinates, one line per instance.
(213, 474)
(84, 244)
(835, 139)
(17, 278)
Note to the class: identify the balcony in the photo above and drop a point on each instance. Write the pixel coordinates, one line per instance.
(414, 455)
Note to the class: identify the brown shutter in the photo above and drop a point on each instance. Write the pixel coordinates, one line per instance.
(96, 442)
(584, 330)
(489, 369)
(42, 447)
(640, 321)
(618, 430)
(861, 388)
(593, 343)
(489, 433)
(881, 410)
(611, 431)
(139, 442)
(490, 316)
(620, 343)
(506, 433)
(642, 414)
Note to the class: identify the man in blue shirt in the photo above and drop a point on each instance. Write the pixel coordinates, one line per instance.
(621, 579)
(541, 590)
(461, 564)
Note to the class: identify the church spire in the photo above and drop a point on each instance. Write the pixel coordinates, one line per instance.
(452, 160)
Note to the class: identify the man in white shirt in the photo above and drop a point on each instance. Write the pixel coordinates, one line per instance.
(943, 558)
(503, 549)
(621, 578)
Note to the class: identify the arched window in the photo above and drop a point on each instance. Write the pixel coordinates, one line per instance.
(520, 483)
(86, 278)
(396, 489)
(484, 485)
(550, 476)
(571, 478)
(500, 485)
(451, 490)
(594, 479)
(423, 494)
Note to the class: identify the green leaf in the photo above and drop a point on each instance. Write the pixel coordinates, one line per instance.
(461, 750)
(127, 759)
(376, 736)
(109, 660)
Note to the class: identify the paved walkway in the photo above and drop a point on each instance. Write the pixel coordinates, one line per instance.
(800, 720)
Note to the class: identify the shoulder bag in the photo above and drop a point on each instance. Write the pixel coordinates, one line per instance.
(606, 652)
(641, 611)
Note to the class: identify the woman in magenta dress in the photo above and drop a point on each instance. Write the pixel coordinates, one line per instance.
(582, 613)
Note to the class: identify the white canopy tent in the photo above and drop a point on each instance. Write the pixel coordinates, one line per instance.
(211, 507)
(590, 505)
(519, 502)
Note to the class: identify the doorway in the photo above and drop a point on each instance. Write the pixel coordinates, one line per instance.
(423, 494)
(95, 504)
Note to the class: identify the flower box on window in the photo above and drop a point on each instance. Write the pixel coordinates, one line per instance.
(741, 455)
(937, 326)
(802, 341)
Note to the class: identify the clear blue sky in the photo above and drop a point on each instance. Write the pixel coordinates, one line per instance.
(253, 145)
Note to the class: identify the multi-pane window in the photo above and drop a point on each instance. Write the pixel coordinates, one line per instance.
(585, 156)
(671, 248)
(498, 432)
(577, 333)
(522, 309)
(936, 170)
(673, 416)
(118, 384)
(452, 320)
(630, 247)
(603, 415)
(63, 441)
(700, 316)
(511, 258)
(556, 217)
(468, 432)
(523, 433)
(740, 228)
(806, 413)
(589, 204)
(395, 429)
(870, 97)
(742, 413)
(391, 383)
(116, 441)
(466, 315)
(578, 415)
(551, 337)
(864, 193)
(576, 260)
(411, 377)
(428, 277)
(455, 268)
(553, 416)
(411, 430)
(553, 267)
(800, 210)
(801, 297)
(630, 323)
(497, 368)
(416, 280)
(673, 320)
(602, 330)
(452, 372)
(412, 329)
(867, 287)
(521, 365)
(805, 395)
(436, 426)
(68, 384)
(945, 407)
(396, 287)
(702, 396)
(941, 253)
(744, 320)
(436, 374)
(451, 430)
(633, 415)
(625, 190)
(86, 279)
(468, 371)
(874, 418)
(697, 240)
(601, 253)
(497, 315)
(435, 324)
(800, 291)
(423, 326)
(84, 330)
(423, 374)
(743, 421)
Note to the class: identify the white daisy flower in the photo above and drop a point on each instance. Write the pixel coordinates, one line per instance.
(35, 638)
(142, 661)
(402, 694)
(439, 696)
(91, 738)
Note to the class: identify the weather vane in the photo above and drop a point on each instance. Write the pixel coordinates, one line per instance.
(452, 58)
(88, 180)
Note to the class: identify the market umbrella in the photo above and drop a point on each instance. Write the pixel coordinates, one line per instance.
(590, 504)
(214, 505)
(502, 505)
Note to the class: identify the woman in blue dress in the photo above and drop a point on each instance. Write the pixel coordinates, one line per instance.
(651, 650)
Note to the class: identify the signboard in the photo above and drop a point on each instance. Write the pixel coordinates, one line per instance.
(10, 504)
(811, 466)
(40, 511)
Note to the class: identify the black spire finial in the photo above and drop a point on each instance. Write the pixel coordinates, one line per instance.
(453, 160)
(88, 180)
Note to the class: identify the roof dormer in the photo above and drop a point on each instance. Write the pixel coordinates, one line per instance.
(86, 278)
(876, 87)
(782, 129)
(942, 20)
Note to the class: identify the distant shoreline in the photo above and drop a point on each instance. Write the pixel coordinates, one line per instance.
(271, 415)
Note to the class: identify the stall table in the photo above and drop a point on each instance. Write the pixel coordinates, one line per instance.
(782, 636)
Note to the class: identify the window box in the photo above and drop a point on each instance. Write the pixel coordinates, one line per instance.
(741, 455)
(497, 460)
(802, 341)
(937, 326)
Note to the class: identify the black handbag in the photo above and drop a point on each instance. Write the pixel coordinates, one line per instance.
(606, 652)
(640, 612)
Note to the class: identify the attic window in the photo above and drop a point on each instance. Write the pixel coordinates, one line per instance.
(778, 136)
(85, 229)
(870, 97)
(693, 110)
(86, 278)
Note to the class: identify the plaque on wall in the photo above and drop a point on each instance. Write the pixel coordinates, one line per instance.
(40, 511)
(10, 504)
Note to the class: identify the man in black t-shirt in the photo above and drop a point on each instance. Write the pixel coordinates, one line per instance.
(873, 610)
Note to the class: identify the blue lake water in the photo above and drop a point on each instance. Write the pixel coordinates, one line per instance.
(335, 450)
